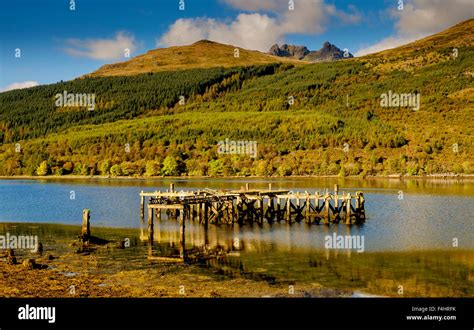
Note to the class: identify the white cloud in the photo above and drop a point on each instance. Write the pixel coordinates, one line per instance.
(102, 49)
(420, 18)
(268, 24)
(20, 85)
(187, 31)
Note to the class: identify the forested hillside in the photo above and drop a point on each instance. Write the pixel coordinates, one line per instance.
(316, 119)
(26, 114)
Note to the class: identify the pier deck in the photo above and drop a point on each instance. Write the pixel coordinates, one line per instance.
(208, 206)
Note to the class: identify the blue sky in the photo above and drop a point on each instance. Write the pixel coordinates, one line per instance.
(57, 43)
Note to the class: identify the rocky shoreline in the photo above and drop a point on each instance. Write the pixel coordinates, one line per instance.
(47, 275)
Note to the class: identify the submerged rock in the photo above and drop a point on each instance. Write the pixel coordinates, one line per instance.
(29, 263)
(120, 244)
(11, 259)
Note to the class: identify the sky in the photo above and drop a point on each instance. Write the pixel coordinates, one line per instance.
(44, 41)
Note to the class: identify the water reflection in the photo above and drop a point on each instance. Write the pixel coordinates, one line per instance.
(408, 241)
(438, 186)
(286, 255)
(276, 255)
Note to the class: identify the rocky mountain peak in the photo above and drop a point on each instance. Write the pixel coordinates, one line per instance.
(328, 52)
(297, 52)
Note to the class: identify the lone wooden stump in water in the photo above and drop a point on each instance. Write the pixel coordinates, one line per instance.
(86, 229)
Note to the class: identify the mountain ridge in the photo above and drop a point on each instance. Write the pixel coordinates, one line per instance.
(201, 54)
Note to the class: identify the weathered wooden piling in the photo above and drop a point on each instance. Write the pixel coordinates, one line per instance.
(86, 229)
(142, 207)
(327, 213)
(288, 209)
(348, 209)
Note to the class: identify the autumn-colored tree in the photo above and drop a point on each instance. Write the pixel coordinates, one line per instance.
(43, 168)
(68, 167)
(104, 167)
(153, 168)
(116, 170)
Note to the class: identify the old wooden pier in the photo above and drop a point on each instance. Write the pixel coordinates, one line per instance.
(247, 205)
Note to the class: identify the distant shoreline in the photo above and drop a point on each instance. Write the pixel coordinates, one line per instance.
(103, 177)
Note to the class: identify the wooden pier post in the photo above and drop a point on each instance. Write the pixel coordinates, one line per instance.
(278, 209)
(206, 214)
(360, 209)
(171, 187)
(327, 214)
(231, 209)
(150, 224)
(298, 214)
(260, 209)
(307, 207)
(316, 207)
(348, 209)
(336, 209)
(357, 202)
(288, 209)
(191, 212)
(198, 212)
(270, 209)
(201, 212)
(238, 206)
(142, 207)
(247, 187)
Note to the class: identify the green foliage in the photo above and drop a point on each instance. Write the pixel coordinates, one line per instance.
(153, 168)
(335, 105)
(170, 166)
(216, 167)
(105, 167)
(116, 170)
(26, 114)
